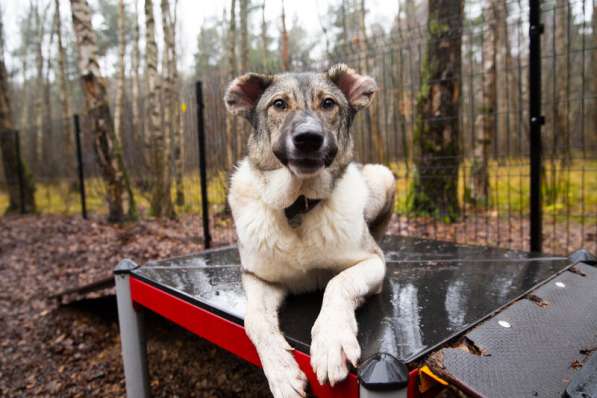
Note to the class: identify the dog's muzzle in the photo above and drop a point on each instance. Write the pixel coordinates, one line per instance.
(308, 147)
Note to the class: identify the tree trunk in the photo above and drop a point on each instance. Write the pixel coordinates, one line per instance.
(161, 202)
(243, 129)
(136, 84)
(244, 36)
(119, 106)
(96, 102)
(171, 108)
(561, 144)
(372, 113)
(175, 106)
(435, 187)
(39, 99)
(232, 71)
(64, 91)
(284, 38)
(11, 163)
(486, 119)
(264, 41)
(594, 76)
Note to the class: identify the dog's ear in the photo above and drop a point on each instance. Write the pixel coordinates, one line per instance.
(358, 89)
(244, 92)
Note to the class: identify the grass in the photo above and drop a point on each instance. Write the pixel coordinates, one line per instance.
(509, 191)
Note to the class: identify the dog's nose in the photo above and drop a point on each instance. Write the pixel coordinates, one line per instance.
(307, 141)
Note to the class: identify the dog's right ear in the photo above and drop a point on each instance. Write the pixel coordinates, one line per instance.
(244, 92)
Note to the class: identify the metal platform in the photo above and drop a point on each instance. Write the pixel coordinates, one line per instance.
(434, 292)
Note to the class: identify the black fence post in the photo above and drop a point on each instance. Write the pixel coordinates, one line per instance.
(80, 166)
(20, 173)
(536, 121)
(202, 164)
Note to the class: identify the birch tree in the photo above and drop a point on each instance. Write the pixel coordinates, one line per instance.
(161, 202)
(40, 103)
(284, 41)
(138, 128)
(594, 71)
(174, 103)
(486, 119)
(63, 88)
(436, 142)
(119, 106)
(105, 144)
(11, 163)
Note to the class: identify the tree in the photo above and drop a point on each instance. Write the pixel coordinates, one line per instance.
(244, 36)
(40, 103)
(138, 127)
(232, 72)
(594, 71)
(371, 113)
(176, 117)
(284, 42)
(105, 144)
(171, 106)
(64, 88)
(436, 141)
(119, 106)
(11, 163)
(486, 119)
(161, 202)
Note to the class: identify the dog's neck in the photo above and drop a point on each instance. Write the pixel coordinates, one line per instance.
(302, 205)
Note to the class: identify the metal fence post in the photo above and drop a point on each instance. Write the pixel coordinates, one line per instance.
(80, 166)
(536, 121)
(20, 173)
(202, 164)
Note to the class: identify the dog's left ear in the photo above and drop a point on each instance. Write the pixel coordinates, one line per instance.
(358, 89)
(244, 92)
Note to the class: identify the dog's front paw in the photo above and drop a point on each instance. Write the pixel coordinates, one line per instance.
(285, 378)
(333, 343)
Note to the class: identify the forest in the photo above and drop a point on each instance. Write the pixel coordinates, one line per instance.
(451, 117)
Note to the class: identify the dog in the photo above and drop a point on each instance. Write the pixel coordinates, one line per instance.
(307, 217)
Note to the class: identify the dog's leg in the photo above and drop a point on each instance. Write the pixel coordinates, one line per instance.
(261, 324)
(334, 334)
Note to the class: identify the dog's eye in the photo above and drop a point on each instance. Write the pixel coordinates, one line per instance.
(280, 104)
(328, 103)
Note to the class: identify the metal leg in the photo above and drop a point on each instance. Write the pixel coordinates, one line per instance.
(364, 393)
(132, 335)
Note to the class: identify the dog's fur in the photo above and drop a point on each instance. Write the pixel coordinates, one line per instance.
(332, 246)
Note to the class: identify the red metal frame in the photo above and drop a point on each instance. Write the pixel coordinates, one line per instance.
(226, 334)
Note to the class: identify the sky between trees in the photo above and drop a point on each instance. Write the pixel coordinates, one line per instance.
(192, 14)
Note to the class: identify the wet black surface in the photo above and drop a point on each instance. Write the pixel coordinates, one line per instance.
(433, 290)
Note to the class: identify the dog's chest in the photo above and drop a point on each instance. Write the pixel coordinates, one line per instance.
(329, 235)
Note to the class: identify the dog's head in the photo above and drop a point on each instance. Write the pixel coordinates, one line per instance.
(301, 120)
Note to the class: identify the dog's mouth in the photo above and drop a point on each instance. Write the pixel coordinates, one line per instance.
(306, 166)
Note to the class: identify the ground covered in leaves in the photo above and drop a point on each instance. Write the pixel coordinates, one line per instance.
(73, 350)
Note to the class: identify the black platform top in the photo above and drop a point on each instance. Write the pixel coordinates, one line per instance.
(433, 291)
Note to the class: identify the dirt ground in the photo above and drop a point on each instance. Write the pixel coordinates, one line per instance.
(73, 350)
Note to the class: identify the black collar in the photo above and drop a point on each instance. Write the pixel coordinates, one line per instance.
(300, 206)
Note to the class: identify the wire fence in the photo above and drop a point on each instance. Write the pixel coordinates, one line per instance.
(492, 133)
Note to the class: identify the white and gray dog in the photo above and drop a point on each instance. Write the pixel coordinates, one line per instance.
(307, 217)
